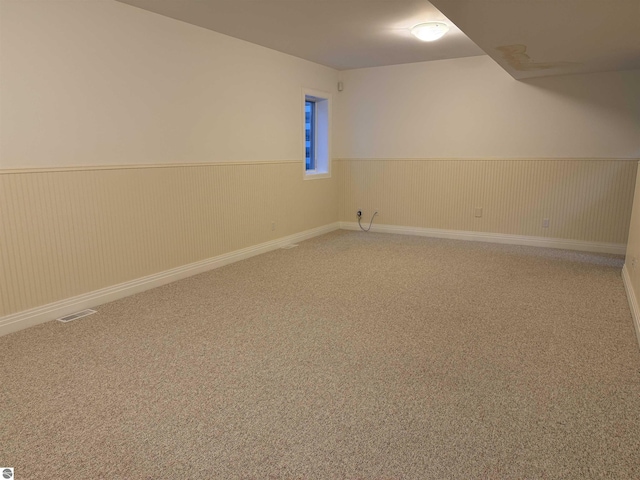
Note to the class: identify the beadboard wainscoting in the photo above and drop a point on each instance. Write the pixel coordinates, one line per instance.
(71, 231)
(631, 270)
(586, 201)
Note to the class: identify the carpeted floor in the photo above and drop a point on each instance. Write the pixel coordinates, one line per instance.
(352, 356)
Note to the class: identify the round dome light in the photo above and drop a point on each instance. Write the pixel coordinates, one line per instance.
(428, 32)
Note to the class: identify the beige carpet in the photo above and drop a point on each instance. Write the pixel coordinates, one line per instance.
(352, 356)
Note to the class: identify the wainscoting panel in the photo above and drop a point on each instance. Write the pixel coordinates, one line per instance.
(585, 200)
(65, 232)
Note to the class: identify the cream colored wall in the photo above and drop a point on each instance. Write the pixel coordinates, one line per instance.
(633, 246)
(584, 199)
(64, 233)
(632, 265)
(104, 83)
(425, 144)
(104, 111)
(471, 108)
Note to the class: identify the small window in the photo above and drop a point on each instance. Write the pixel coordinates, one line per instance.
(310, 135)
(317, 146)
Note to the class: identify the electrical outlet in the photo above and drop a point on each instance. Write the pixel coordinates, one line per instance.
(478, 212)
(273, 226)
(359, 213)
(545, 223)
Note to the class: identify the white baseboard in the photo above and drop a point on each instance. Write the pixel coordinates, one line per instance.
(633, 301)
(616, 248)
(18, 321)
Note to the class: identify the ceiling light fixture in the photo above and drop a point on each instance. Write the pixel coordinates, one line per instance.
(430, 31)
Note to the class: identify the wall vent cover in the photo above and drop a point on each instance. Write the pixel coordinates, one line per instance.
(73, 316)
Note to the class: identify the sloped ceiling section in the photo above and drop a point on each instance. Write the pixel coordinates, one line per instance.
(533, 38)
(342, 34)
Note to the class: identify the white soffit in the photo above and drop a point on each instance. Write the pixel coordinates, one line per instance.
(533, 38)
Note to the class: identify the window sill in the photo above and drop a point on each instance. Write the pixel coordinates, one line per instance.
(312, 175)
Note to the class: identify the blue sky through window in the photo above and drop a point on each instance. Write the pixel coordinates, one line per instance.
(309, 135)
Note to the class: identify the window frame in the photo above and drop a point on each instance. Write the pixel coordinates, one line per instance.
(321, 135)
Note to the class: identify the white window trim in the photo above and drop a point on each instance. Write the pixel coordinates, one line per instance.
(323, 135)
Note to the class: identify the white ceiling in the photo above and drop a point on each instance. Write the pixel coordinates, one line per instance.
(528, 38)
